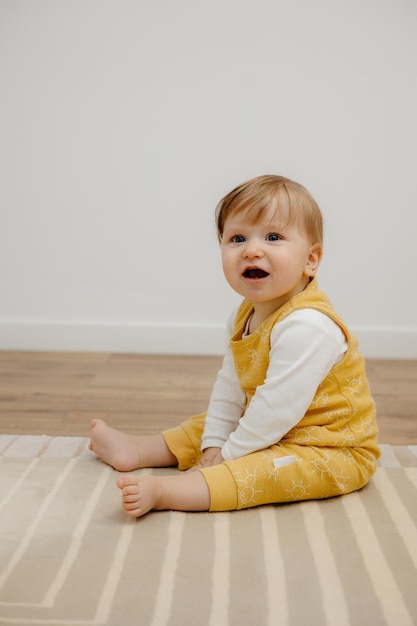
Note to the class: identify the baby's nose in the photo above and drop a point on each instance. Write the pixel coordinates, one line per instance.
(253, 249)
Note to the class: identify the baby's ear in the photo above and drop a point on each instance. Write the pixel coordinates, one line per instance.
(313, 260)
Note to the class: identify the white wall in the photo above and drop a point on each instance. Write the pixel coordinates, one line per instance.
(123, 122)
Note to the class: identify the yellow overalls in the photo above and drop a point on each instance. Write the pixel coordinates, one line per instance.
(332, 450)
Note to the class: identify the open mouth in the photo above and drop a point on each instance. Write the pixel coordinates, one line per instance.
(255, 273)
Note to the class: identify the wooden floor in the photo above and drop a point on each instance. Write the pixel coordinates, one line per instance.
(59, 393)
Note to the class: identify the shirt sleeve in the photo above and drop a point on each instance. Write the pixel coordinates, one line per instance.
(227, 401)
(304, 348)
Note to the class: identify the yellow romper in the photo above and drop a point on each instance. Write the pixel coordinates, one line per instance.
(332, 450)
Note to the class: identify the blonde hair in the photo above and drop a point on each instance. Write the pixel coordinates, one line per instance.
(263, 192)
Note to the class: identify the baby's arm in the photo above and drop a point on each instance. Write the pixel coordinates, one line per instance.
(226, 405)
(304, 347)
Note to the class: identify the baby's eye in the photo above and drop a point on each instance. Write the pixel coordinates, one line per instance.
(238, 239)
(273, 237)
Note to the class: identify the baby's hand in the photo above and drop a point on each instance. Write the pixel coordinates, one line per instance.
(211, 456)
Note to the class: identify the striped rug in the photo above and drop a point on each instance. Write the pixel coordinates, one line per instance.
(69, 556)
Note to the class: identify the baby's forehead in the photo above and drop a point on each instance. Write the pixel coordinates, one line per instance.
(278, 214)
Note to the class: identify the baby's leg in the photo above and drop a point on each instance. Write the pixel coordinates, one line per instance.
(128, 452)
(286, 473)
(185, 492)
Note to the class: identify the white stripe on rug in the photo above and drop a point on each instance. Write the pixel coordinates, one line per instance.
(25, 543)
(19, 483)
(384, 583)
(275, 570)
(334, 603)
(115, 572)
(77, 539)
(405, 526)
(388, 457)
(168, 571)
(220, 578)
(116, 569)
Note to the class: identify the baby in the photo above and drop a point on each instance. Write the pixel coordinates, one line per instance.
(291, 416)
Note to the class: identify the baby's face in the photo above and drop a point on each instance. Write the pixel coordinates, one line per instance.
(268, 261)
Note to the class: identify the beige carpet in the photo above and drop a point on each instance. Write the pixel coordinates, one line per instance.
(68, 555)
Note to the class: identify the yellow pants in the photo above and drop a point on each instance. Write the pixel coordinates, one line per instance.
(285, 472)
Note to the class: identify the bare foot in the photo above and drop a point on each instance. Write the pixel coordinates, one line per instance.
(115, 448)
(181, 492)
(140, 494)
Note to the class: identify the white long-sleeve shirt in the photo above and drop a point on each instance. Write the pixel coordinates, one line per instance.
(304, 348)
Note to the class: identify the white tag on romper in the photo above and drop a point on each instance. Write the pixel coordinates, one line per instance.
(284, 460)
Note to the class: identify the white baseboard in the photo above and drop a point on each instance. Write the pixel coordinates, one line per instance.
(380, 343)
